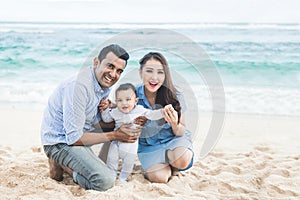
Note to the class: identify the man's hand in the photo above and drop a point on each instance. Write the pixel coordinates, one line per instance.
(127, 134)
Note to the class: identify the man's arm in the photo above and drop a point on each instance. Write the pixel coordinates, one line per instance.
(90, 138)
(123, 134)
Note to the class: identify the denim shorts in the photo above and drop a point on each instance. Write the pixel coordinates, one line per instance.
(155, 154)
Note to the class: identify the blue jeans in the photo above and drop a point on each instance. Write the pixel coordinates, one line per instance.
(88, 170)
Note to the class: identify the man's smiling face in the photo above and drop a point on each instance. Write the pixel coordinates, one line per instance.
(108, 70)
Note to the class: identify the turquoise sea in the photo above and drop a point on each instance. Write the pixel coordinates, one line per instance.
(259, 64)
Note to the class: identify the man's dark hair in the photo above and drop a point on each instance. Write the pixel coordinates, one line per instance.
(115, 49)
(126, 86)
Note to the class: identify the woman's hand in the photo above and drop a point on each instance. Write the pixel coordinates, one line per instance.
(170, 114)
(128, 134)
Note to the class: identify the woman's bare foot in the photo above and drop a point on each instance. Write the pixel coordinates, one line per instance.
(175, 172)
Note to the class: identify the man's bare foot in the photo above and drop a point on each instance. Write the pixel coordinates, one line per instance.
(56, 171)
(67, 170)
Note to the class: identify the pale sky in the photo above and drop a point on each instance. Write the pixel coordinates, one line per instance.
(183, 11)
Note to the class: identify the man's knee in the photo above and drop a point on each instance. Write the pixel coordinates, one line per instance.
(102, 183)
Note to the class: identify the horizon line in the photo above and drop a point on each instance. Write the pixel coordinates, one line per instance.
(113, 22)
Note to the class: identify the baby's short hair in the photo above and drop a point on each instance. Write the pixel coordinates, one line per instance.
(126, 86)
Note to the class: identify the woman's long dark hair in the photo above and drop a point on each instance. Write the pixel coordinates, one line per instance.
(166, 94)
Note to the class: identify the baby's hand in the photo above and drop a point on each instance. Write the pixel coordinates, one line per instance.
(104, 104)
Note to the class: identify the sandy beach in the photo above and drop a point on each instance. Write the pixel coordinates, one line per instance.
(257, 157)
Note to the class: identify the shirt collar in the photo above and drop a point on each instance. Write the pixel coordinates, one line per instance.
(97, 87)
(140, 92)
(142, 97)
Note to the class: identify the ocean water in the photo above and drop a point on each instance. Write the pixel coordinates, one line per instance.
(259, 64)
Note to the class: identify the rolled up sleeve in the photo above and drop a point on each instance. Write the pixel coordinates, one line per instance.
(74, 105)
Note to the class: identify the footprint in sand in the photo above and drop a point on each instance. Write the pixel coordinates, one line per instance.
(36, 149)
(227, 187)
(5, 152)
(261, 165)
(277, 189)
(234, 169)
(263, 148)
(283, 172)
(198, 186)
(77, 191)
(162, 190)
(215, 172)
(216, 154)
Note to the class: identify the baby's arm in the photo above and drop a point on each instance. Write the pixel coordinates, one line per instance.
(106, 116)
(105, 111)
(154, 114)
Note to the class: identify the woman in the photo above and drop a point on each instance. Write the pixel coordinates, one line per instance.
(165, 146)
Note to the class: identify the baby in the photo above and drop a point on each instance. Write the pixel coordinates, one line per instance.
(125, 113)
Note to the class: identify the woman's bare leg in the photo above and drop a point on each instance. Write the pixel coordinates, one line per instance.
(180, 157)
(159, 173)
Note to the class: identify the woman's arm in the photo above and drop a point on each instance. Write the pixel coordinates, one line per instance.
(179, 128)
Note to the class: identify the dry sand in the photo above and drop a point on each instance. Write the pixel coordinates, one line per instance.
(257, 157)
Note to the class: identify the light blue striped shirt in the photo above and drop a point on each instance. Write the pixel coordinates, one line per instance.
(72, 109)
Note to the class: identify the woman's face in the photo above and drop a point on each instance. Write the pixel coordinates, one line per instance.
(153, 75)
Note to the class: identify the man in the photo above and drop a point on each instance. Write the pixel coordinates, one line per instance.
(70, 117)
